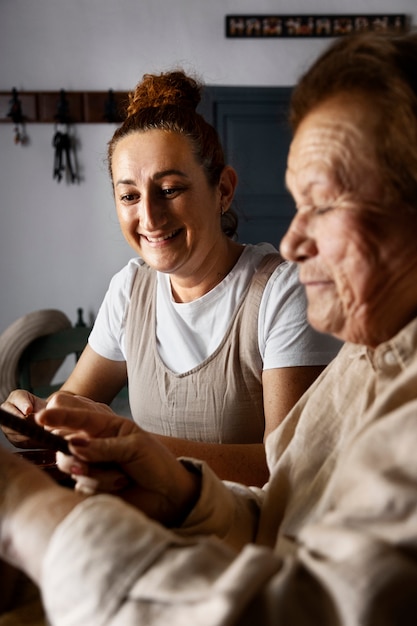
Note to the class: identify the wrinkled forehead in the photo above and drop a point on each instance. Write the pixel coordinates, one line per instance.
(334, 144)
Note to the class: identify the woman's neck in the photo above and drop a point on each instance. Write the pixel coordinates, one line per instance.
(211, 274)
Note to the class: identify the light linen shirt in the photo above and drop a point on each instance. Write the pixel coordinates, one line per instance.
(332, 538)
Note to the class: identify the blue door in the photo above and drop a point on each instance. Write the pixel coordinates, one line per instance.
(253, 125)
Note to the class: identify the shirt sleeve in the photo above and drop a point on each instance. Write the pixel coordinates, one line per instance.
(285, 336)
(355, 563)
(107, 336)
(128, 563)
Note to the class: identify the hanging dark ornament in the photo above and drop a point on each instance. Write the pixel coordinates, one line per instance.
(63, 143)
(18, 119)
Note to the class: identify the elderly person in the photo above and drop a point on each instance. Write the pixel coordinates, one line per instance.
(332, 538)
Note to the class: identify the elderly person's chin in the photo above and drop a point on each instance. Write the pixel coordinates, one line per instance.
(351, 326)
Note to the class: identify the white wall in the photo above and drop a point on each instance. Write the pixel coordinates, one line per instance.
(60, 243)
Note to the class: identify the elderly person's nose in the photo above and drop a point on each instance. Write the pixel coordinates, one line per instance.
(297, 245)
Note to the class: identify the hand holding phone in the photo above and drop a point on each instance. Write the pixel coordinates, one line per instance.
(43, 438)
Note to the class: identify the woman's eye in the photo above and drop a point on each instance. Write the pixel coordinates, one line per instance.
(129, 197)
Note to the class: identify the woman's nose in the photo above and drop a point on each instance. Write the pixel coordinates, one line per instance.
(151, 214)
(297, 245)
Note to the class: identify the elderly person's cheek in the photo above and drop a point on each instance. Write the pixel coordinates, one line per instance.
(356, 286)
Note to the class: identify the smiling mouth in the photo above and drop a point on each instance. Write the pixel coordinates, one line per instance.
(163, 238)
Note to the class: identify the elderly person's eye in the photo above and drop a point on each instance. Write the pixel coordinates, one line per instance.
(171, 191)
(323, 209)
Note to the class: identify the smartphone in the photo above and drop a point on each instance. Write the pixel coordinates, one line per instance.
(29, 428)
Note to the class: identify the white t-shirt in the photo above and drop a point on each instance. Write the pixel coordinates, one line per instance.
(187, 333)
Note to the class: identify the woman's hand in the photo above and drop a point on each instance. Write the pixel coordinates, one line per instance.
(112, 454)
(23, 404)
(67, 400)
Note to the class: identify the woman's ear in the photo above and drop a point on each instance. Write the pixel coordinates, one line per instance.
(227, 186)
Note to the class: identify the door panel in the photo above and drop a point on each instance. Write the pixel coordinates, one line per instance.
(252, 124)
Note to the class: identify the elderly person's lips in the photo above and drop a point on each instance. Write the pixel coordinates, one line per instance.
(312, 280)
(317, 282)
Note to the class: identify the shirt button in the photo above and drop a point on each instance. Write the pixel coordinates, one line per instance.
(390, 358)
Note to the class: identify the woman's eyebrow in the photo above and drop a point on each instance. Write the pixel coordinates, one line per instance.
(170, 172)
(124, 181)
(156, 176)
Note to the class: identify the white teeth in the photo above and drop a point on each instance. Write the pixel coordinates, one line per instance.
(158, 239)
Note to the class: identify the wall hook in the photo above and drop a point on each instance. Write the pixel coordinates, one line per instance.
(62, 109)
(110, 108)
(18, 119)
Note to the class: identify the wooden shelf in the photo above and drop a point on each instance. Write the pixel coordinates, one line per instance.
(45, 107)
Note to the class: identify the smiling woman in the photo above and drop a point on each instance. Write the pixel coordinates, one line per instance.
(210, 333)
(158, 185)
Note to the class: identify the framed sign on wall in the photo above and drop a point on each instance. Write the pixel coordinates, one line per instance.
(301, 26)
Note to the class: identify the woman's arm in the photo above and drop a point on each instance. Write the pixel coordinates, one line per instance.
(242, 463)
(96, 377)
(282, 388)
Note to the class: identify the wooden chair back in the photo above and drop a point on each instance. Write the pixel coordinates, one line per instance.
(43, 357)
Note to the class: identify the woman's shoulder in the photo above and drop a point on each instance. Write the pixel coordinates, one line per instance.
(259, 250)
(124, 277)
(265, 257)
(253, 256)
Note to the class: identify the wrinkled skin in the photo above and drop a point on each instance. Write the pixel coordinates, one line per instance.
(357, 256)
(112, 454)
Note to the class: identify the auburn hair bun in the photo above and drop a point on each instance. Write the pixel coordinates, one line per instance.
(166, 89)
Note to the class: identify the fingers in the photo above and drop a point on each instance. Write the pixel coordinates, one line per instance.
(111, 481)
(93, 422)
(22, 403)
(75, 419)
(65, 399)
(93, 478)
(70, 464)
(113, 462)
(135, 466)
(86, 485)
(120, 450)
(99, 440)
(67, 413)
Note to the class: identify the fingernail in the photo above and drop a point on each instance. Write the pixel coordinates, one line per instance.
(76, 470)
